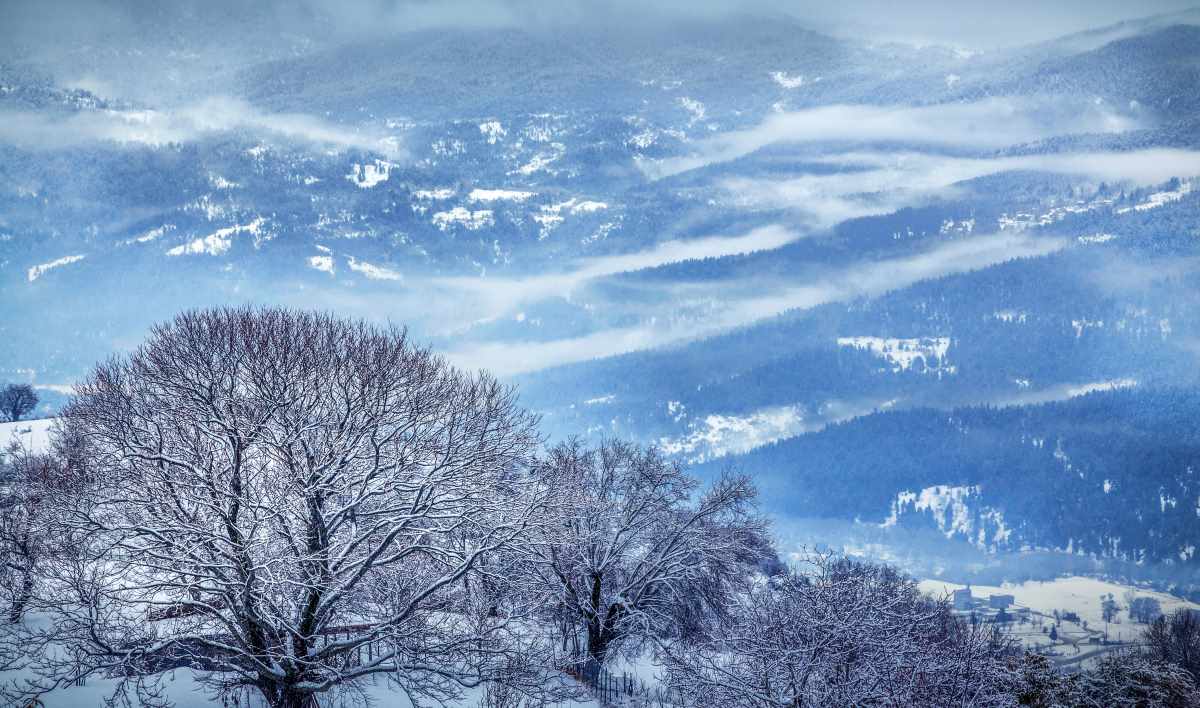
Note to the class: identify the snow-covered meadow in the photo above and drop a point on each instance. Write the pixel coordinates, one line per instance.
(33, 435)
(1081, 595)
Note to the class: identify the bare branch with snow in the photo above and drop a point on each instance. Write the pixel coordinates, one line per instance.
(632, 554)
(291, 502)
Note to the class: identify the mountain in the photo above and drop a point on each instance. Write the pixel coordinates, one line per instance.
(1112, 474)
(871, 273)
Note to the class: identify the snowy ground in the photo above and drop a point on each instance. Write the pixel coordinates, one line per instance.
(1081, 595)
(1079, 644)
(183, 689)
(30, 433)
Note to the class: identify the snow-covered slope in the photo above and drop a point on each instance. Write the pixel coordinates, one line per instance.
(1076, 594)
(34, 435)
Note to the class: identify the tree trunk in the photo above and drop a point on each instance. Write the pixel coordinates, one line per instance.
(17, 609)
(278, 696)
(597, 644)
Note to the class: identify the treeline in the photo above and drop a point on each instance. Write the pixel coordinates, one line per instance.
(1079, 316)
(299, 505)
(1112, 473)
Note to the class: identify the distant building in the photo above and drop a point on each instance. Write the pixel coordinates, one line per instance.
(1000, 602)
(963, 599)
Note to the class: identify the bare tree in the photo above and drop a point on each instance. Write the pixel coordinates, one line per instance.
(1145, 609)
(289, 502)
(632, 550)
(16, 400)
(1175, 639)
(1108, 608)
(837, 633)
(1124, 678)
(1131, 679)
(22, 544)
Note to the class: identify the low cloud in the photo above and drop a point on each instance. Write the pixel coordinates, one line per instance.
(882, 182)
(988, 124)
(878, 277)
(717, 435)
(1141, 167)
(859, 280)
(1063, 392)
(495, 297)
(187, 123)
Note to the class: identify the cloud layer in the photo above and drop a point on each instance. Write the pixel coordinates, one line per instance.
(495, 297)
(161, 127)
(880, 182)
(859, 280)
(981, 125)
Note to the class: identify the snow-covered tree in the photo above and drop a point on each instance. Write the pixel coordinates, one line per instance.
(838, 633)
(1109, 607)
(1175, 639)
(24, 478)
(1132, 680)
(16, 400)
(1145, 609)
(637, 547)
(1120, 679)
(290, 502)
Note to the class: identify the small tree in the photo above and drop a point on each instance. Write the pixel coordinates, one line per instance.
(1037, 682)
(289, 502)
(1119, 679)
(1130, 679)
(16, 400)
(839, 633)
(1145, 609)
(632, 554)
(1176, 639)
(1108, 607)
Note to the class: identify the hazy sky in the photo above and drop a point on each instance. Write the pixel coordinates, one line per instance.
(980, 24)
(977, 24)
